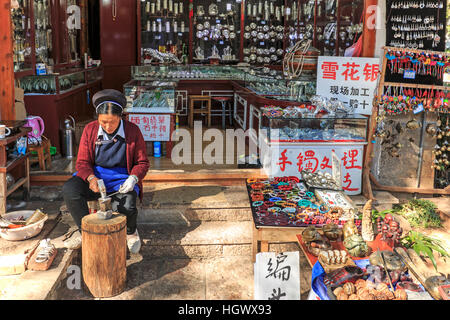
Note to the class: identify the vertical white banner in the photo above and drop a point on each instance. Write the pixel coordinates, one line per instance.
(277, 276)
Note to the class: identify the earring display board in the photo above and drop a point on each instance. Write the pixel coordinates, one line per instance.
(21, 20)
(216, 30)
(418, 24)
(165, 28)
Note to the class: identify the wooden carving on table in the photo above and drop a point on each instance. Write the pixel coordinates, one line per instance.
(367, 227)
(390, 230)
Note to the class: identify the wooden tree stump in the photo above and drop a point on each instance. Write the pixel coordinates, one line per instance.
(104, 253)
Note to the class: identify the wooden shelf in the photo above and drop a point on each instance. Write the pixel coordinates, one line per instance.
(13, 138)
(11, 164)
(414, 85)
(16, 185)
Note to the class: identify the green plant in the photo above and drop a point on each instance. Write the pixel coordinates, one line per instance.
(381, 214)
(424, 244)
(419, 213)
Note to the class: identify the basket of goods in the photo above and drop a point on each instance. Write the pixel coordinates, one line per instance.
(22, 225)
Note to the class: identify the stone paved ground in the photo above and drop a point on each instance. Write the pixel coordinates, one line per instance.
(188, 263)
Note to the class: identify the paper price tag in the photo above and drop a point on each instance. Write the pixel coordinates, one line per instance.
(419, 108)
(228, 6)
(409, 74)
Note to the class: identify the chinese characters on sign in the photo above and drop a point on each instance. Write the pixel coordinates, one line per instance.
(277, 276)
(154, 127)
(350, 80)
(290, 161)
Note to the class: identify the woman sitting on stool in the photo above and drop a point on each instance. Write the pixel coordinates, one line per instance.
(113, 150)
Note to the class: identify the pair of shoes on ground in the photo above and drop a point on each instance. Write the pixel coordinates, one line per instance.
(133, 242)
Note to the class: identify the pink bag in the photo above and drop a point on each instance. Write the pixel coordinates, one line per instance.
(355, 50)
(37, 129)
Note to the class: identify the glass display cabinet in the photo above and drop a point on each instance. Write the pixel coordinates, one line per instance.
(292, 126)
(271, 84)
(150, 96)
(164, 26)
(22, 42)
(188, 72)
(216, 31)
(54, 83)
(94, 75)
(71, 81)
(43, 32)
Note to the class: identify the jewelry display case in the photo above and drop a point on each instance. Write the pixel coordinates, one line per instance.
(258, 32)
(299, 125)
(187, 72)
(43, 32)
(294, 140)
(164, 27)
(216, 31)
(264, 31)
(69, 32)
(335, 25)
(150, 96)
(93, 75)
(54, 83)
(21, 20)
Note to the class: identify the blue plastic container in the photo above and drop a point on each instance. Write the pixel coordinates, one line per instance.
(157, 149)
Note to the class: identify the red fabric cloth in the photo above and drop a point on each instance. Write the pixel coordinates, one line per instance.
(137, 161)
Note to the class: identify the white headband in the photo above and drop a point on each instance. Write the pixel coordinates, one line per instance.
(113, 102)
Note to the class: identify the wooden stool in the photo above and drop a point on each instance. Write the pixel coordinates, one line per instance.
(192, 111)
(104, 254)
(42, 156)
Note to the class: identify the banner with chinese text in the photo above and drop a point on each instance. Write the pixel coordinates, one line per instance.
(350, 80)
(154, 127)
(291, 160)
(277, 276)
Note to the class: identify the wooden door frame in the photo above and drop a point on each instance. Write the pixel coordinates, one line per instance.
(6, 63)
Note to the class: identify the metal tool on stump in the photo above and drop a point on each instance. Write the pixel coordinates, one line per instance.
(104, 249)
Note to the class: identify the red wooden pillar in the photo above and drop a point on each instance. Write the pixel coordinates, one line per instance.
(369, 31)
(6, 63)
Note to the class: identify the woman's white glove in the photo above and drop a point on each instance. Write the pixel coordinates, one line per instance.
(129, 184)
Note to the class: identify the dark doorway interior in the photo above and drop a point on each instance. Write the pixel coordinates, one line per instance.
(94, 29)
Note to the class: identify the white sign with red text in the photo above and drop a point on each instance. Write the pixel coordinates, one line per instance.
(282, 161)
(154, 127)
(350, 80)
